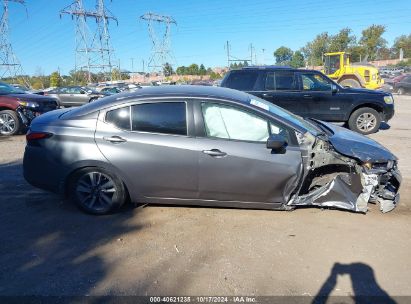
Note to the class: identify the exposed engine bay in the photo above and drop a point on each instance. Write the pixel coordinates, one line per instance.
(332, 179)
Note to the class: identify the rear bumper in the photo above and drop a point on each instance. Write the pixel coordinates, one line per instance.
(41, 171)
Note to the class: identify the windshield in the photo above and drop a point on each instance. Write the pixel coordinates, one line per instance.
(8, 89)
(295, 119)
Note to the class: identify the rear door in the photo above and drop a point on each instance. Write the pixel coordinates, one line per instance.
(234, 163)
(151, 145)
(281, 88)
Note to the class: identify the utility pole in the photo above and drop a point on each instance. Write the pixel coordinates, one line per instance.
(132, 65)
(251, 55)
(228, 54)
(9, 64)
(94, 53)
(263, 60)
(161, 49)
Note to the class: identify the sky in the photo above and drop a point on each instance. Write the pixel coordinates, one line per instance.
(44, 41)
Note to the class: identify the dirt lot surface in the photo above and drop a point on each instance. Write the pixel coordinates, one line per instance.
(48, 247)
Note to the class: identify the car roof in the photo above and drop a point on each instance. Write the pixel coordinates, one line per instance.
(273, 68)
(163, 92)
(184, 91)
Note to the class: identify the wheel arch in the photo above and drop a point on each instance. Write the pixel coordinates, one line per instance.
(354, 76)
(4, 108)
(374, 106)
(81, 166)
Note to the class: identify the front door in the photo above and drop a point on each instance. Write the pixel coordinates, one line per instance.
(150, 145)
(235, 164)
(321, 102)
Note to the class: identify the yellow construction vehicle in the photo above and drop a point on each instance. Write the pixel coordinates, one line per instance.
(337, 66)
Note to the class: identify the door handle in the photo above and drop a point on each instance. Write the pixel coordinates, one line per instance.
(266, 95)
(115, 139)
(214, 153)
(308, 96)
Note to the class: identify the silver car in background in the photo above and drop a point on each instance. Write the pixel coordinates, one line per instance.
(209, 146)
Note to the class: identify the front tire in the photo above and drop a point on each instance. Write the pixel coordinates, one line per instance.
(352, 83)
(401, 91)
(365, 121)
(9, 123)
(97, 191)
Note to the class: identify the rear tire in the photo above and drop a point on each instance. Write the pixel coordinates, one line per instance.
(365, 121)
(97, 191)
(352, 83)
(9, 123)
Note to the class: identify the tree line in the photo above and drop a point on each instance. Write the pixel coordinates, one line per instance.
(370, 46)
(55, 79)
(192, 69)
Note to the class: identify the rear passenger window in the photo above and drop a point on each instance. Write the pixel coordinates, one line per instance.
(160, 117)
(119, 118)
(242, 80)
(281, 81)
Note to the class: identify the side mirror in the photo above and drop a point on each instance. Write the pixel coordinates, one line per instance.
(334, 89)
(82, 92)
(277, 143)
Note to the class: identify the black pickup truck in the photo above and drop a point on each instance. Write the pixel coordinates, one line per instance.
(311, 94)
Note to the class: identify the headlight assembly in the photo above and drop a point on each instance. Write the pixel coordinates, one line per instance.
(29, 104)
(388, 99)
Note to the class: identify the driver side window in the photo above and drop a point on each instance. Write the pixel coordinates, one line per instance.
(226, 122)
(314, 82)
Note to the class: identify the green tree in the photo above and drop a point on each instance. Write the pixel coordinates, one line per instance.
(181, 70)
(202, 71)
(342, 42)
(283, 55)
(314, 50)
(55, 79)
(372, 40)
(193, 69)
(168, 69)
(403, 42)
(297, 61)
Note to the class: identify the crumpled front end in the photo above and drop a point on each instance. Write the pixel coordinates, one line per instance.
(334, 180)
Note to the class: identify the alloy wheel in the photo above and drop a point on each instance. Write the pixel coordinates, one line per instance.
(95, 191)
(7, 124)
(366, 122)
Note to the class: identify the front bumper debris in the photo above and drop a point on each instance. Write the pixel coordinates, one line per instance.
(334, 180)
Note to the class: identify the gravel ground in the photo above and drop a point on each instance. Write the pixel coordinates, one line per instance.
(48, 247)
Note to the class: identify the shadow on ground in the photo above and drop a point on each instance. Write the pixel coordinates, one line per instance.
(47, 246)
(364, 285)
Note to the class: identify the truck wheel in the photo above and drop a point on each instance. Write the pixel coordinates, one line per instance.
(401, 91)
(365, 121)
(352, 83)
(9, 123)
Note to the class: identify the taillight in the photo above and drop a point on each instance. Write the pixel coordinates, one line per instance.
(37, 135)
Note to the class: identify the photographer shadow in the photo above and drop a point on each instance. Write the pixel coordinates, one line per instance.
(364, 285)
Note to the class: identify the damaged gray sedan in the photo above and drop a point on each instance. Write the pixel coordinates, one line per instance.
(205, 146)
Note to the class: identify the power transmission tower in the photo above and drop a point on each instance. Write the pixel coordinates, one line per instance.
(161, 49)
(231, 59)
(94, 54)
(9, 64)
